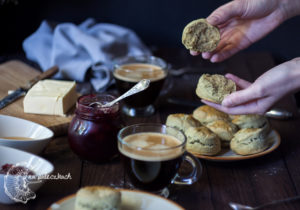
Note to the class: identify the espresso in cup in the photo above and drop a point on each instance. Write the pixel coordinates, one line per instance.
(128, 75)
(149, 168)
(129, 72)
(152, 155)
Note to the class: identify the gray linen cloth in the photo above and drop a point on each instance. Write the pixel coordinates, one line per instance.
(76, 48)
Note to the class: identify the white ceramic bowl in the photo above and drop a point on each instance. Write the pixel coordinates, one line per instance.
(38, 165)
(17, 127)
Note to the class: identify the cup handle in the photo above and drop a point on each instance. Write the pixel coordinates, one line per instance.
(193, 176)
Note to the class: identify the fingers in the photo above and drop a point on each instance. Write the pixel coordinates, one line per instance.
(243, 96)
(243, 84)
(209, 55)
(194, 53)
(253, 107)
(219, 18)
(227, 51)
(214, 105)
(222, 14)
(250, 108)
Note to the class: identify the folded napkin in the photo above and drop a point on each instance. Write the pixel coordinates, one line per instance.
(75, 49)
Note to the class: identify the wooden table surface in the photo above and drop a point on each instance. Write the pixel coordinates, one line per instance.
(255, 181)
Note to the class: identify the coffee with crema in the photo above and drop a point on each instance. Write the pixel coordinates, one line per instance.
(128, 75)
(151, 159)
(135, 72)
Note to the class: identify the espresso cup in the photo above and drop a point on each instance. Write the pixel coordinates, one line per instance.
(152, 155)
(130, 70)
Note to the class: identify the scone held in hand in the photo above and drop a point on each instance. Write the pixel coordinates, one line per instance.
(98, 197)
(214, 87)
(202, 141)
(200, 36)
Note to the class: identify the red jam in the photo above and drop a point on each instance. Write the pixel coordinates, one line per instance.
(93, 131)
(16, 170)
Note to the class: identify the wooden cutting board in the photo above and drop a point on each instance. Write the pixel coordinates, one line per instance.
(15, 73)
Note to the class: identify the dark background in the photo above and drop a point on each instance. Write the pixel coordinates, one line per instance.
(157, 22)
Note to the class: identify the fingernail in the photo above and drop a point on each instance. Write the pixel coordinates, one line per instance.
(227, 75)
(205, 55)
(214, 59)
(194, 53)
(226, 102)
(212, 20)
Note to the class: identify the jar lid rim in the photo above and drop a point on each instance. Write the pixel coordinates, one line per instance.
(84, 107)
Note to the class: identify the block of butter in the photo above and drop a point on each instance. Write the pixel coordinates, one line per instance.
(51, 97)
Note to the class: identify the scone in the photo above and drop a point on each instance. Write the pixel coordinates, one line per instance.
(202, 141)
(249, 141)
(200, 36)
(182, 121)
(232, 116)
(214, 87)
(224, 129)
(206, 114)
(98, 198)
(250, 121)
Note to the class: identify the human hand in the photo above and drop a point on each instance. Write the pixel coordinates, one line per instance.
(243, 22)
(260, 96)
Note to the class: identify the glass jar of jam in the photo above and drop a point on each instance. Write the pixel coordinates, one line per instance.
(93, 131)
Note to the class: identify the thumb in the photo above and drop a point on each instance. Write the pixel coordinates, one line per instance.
(224, 13)
(242, 84)
(241, 97)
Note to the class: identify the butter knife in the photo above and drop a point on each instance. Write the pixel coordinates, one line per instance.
(21, 91)
(275, 113)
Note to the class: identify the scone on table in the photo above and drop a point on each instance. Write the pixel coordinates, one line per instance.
(249, 141)
(249, 121)
(224, 129)
(252, 121)
(98, 198)
(182, 121)
(202, 141)
(206, 114)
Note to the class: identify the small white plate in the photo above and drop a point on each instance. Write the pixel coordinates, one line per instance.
(227, 154)
(131, 200)
(11, 127)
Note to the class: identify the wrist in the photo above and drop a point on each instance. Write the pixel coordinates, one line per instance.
(289, 8)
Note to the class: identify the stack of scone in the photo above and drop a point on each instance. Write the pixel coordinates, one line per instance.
(208, 130)
(252, 136)
(246, 134)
